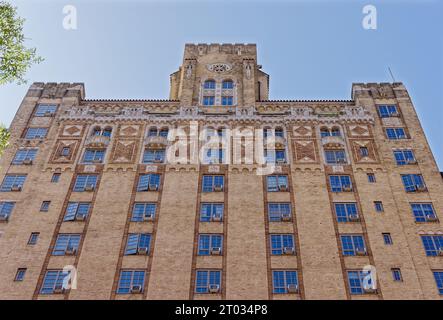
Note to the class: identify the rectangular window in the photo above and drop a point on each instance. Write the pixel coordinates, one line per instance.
(277, 183)
(208, 281)
(25, 156)
(143, 211)
(77, 211)
(33, 238)
(433, 245)
(387, 239)
(208, 100)
(413, 182)
(282, 244)
(395, 133)
(85, 182)
(36, 133)
(20, 275)
(346, 212)
(210, 244)
(154, 156)
(386, 111)
(396, 274)
(213, 183)
(227, 101)
(214, 156)
(353, 245)
(66, 151)
(211, 212)
(148, 182)
(138, 243)
(335, 156)
(275, 156)
(66, 244)
(423, 212)
(54, 282)
(438, 276)
(55, 178)
(360, 281)
(45, 110)
(404, 157)
(6, 210)
(340, 183)
(13, 182)
(379, 206)
(131, 281)
(371, 178)
(284, 281)
(94, 156)
(279, 212)
(45, 206)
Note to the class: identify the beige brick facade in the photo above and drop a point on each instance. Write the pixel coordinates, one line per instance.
(246, 266)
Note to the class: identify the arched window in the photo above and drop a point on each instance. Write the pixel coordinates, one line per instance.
(324, 132)
(97, 131)
(107, 132)
(152, 132)
(335, 132)
(209, 84)
(227, 84)
(279, 132)
(164, 132)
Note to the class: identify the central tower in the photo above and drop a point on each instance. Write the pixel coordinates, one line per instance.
(219, 75)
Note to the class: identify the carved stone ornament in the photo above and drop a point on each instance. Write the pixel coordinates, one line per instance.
(219, 67)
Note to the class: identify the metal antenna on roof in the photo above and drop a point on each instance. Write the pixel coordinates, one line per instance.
(392, 75)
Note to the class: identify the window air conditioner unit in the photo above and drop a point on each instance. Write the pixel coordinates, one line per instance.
(370, 290)
(341, 161)
(288, 250)
(27, 161)
(58, 289)
(4, 217)
(216, 251)
(214, 288)
(286, 217)
(70, 251)
(395, 114)
(218, 187)
(292, 288)
(440, 252)
(281, 160)
(16, 187)
(148, 217)
(48, 114)
(97, 161)
(216, 218)
(431, 218)
(142, 251)
(411, 161)
(158, 161)
(90, 187)
(360, 251)
(354, 217)
(346, 188)
(283, 187)
(421, 188)
(153, 187)
(80, 217)
(136, 289)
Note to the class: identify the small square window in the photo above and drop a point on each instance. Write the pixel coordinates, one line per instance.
(364, 152)
(45, 206)
(66, 151)
(20, 275)
(33, 238)
(387, 238)
(379, 206)
(371, 178)
(396, 274)
(55, 178)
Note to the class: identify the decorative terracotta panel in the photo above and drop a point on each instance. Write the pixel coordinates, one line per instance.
(305, 151)
(58, 157)
(124, 151)
(369, 144)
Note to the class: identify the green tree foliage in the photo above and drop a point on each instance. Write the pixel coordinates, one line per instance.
(4, 138)
(15, 58)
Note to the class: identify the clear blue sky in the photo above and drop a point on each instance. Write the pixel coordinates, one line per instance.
(311, 49)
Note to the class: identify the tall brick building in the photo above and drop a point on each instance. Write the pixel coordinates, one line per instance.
(219, 192)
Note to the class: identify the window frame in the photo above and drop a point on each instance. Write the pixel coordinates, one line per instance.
(137, 278)
(146, 180)
(282, 287)
(346, 205)
(204, 278)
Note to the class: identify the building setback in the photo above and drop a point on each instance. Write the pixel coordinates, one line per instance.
(219, 192)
